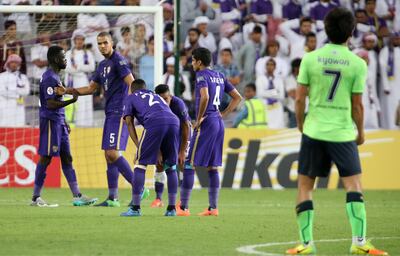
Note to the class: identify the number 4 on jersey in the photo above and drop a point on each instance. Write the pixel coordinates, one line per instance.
(217, 101)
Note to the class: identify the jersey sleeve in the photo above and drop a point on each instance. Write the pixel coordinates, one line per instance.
(122, 67)
(129, 109)
(183, 112)
(48, 85)
(201, 81)
(303, 77)
(360, 79)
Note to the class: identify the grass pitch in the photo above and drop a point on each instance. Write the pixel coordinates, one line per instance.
(247, 217)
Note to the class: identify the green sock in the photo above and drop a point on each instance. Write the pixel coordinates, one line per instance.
(357, 215)
(305, 219)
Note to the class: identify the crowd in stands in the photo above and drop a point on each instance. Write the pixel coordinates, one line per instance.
(256, 44)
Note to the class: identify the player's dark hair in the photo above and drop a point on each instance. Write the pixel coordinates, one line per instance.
(202, 54)
(257, 29)
(295, 63)
(9, 23)
(104, 33)
(161, 88)
(53, 52)
(194, 30)
(305, 19)
(228, 50)
(138, 84)
(251, 86)
(339, 25)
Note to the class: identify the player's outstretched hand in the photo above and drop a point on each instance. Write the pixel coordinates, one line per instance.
(60, 90)
(360, 139)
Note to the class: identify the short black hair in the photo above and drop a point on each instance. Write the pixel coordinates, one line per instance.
(151, 38)
(104, 33)
(295, 63)
(305, 19)
(311, 34)
(138, 84)
(53, 52)
(361, 11)
(169, 27)
(9, 23)
(161, 88)
(202, 54)
(125, 30)
(339, 25)
(257, 29)
(251, 86)
(194, 30)
(227, 50)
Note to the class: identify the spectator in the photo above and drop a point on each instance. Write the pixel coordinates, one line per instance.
(282, 67)
(10, 45)
(248, 56)
(92, 24)
(13, 86)
(23, 20)
(168, 13)
(193, 43)
(377, 24)
(248, 29)
(230, 10)
(139, 46)
(231, 72)
(309, 46)
(80, 63)
(259, 11)
(270, 88)
(389, 62)
(125, 47)
(169, 79)
(49, 22)
(146, 65)
(203, 9)
(253, 113)
(206, 39)
(290, 88)
(39, 59)
(370, 101)
(168, 40)
(319, 11)
(292, 10)
(361, 28)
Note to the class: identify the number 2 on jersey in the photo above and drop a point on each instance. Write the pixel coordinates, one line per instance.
(151, 99)
(216, 101)
(335, 82)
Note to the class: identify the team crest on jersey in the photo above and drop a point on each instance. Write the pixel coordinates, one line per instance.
(55, 149)
(200, 78)
(123, 62)
(50, 91)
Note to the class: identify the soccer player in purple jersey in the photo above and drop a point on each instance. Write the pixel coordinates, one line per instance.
(206, 144)
(179, 108)
(54, 138)
(114, 75)
(160, 138)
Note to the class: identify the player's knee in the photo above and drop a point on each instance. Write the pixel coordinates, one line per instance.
(111, 155)
(45, 160)
(160, 177)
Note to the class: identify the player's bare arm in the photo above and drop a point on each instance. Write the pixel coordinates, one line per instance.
(87, 90)
(132, 130)
(184, 142)
(236, 99)
(128, 81)
(55, 104)
(357, 113)
(300, 105)
(204, 98)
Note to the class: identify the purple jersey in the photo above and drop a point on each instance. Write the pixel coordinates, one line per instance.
(217, 84)
(49, 81)
(179, 108)
(149, 109)
(110, 74)
(260, 7)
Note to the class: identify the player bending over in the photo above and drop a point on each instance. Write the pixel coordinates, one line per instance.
(160, 137)
(114, 75)
(333, 78)
(54, 138)
(179, 108)
(206, 144)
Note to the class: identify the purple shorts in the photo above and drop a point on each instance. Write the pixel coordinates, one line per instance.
(206, 144)
(115, 133)
(54, 138)
(163, 138)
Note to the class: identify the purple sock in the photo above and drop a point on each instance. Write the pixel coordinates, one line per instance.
(70, 175)
(112, 180)
(139, 176)
(213, 189)
(124, 169)
(187, 186)
(172, 179)
(40, 175)
(159, 188)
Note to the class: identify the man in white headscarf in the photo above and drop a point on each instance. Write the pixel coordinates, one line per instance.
(13, 86)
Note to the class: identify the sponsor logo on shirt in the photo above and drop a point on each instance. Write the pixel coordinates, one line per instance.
(55, 149)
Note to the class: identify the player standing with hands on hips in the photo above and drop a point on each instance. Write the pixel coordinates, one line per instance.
(333, 78)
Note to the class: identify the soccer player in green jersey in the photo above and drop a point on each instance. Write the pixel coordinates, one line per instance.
(333, 78)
